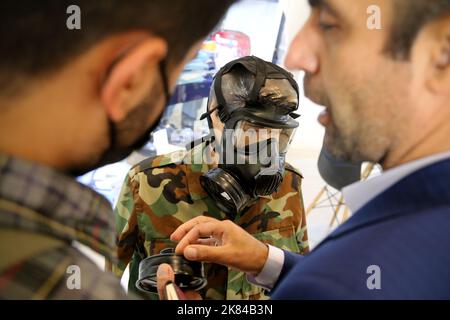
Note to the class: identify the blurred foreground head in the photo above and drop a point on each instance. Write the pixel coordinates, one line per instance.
(78, 98)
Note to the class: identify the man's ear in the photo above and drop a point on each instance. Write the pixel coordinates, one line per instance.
(439, 79)
(131, 76)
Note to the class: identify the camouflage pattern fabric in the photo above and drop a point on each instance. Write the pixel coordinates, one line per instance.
(163, 192)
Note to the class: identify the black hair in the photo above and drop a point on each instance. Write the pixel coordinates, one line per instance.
(35, 39)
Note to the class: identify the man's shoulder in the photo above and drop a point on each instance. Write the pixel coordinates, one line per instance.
(159, 182)
(93, 282)
(166, 166)
(171, 165)
(49, 268)
(377, 249)
(293, 170)
(166, 160)
(292, 181)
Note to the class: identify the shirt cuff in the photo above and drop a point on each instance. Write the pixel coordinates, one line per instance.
(271, 270)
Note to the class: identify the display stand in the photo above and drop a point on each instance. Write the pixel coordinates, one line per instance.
(330, 198)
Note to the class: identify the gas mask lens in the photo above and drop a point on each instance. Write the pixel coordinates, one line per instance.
(250, 137)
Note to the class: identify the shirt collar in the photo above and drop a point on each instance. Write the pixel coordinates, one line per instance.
(357, 195)
(40, 199)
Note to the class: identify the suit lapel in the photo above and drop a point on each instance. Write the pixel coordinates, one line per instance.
(426, 188)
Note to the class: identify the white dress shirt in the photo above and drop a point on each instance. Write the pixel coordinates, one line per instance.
(356, 196)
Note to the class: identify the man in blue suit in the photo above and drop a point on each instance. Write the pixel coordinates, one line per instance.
(382, 70)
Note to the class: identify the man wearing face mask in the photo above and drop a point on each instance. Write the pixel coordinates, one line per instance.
(386, 92)
(71, 101)
(238, 174)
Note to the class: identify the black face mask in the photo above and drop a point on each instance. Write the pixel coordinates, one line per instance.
(337, 172)
(115, 153)
(236, 186)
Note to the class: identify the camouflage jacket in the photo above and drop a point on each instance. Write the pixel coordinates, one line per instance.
(43, 214)
(162, 192)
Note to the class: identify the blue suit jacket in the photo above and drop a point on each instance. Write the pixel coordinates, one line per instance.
(405, 231)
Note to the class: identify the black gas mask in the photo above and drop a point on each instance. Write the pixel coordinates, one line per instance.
(256, 135)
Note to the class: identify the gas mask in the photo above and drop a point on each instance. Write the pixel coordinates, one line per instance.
(256, 136)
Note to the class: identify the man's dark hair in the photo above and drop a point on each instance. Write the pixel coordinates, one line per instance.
(34, 38)
(410, 16)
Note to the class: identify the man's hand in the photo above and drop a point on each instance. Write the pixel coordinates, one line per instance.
(165, 275)
(222, 242)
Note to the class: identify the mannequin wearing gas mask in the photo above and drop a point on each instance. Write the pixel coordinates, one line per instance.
(251, 116)
(251, 111)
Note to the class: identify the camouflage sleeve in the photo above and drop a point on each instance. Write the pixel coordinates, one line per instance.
(302, 232)
(127, 228)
